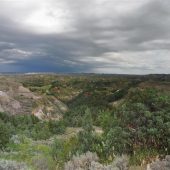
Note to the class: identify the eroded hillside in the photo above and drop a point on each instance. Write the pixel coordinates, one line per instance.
(17, 99)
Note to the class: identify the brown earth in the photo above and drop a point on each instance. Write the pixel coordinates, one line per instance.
(17, 99)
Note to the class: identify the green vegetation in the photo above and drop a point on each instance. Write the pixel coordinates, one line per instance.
(132, 111)
(30, 126)
(5, 134)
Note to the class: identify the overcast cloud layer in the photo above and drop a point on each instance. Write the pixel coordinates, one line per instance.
(100, 36)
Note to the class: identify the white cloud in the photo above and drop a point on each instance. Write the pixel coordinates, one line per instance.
(9, 56)
(130, 62)
(38, 16)
(4, 61)
(50, 19)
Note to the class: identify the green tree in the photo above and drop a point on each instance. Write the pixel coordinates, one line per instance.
(117, 141)
(86, 136)
(56, 127)
(5, 134)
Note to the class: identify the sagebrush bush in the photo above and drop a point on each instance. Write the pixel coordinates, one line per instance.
(12, 165)
(40, 163)
(16, 139)
(160, 165)
(89, 161)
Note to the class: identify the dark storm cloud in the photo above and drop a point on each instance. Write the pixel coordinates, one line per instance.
(152, 22)
(100, 36)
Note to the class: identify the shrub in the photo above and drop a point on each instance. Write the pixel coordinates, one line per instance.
(118, 139)
(41, 131)
(146, 116)
(74, 117)
(40, 163)
(12, 165)
(161, 165)
(23, 122)
(108, 120)
(86, 137)
(62, 151)
(56, 127)
(143, 155)
(58, 152)
(4, 117)
(5, 134)
(89, 161)
(83, 161)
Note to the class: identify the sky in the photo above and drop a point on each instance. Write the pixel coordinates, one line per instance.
(85, 36)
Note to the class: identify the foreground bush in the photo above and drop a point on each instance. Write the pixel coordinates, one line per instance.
(28, 125)
(141, 121)
(40, 163)
(12, 165)
(89, 161)
(160, 165)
